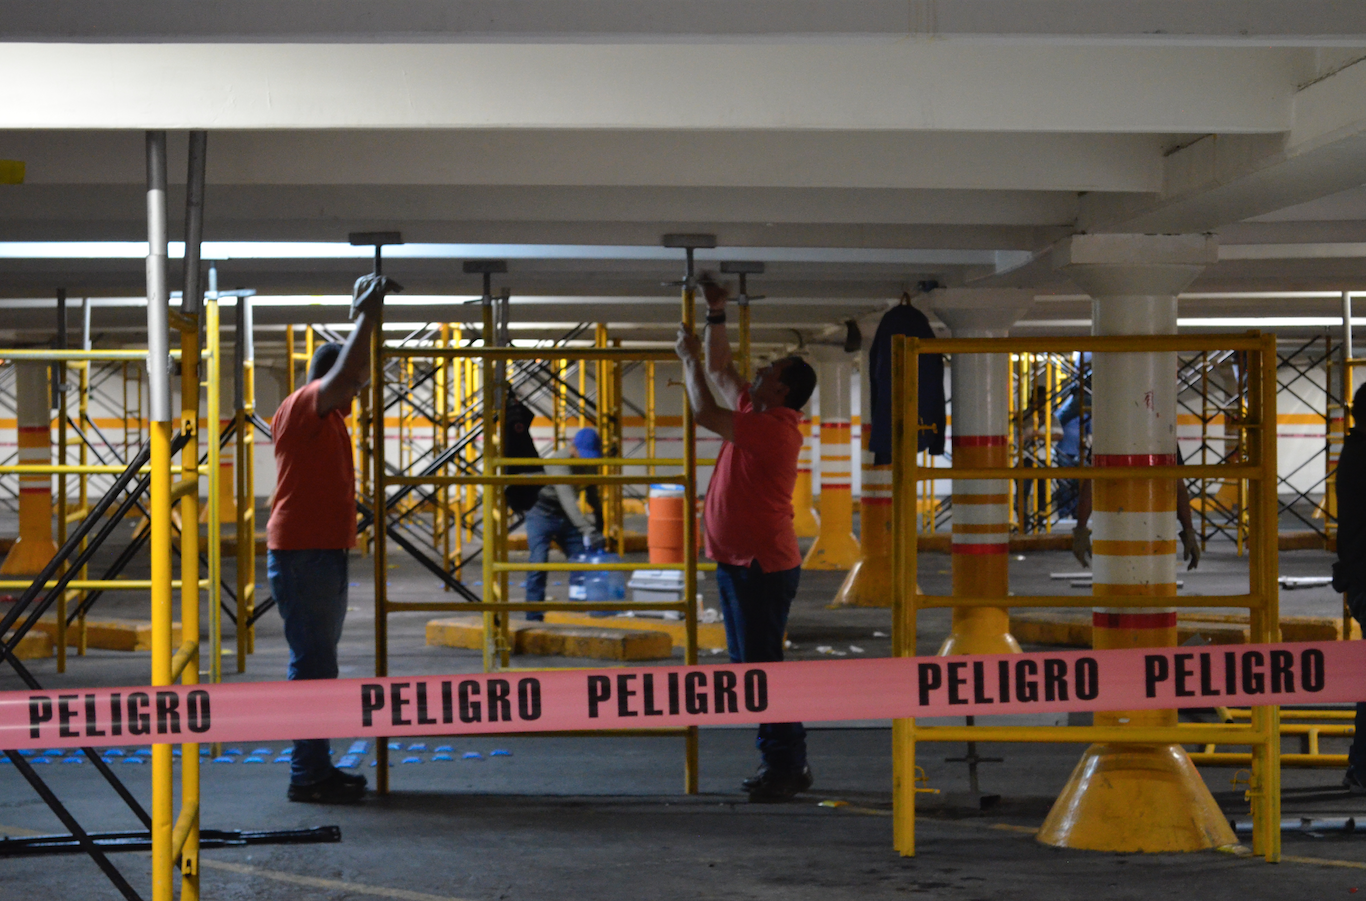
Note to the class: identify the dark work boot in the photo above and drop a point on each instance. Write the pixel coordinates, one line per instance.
(337, 788)
(771, 786)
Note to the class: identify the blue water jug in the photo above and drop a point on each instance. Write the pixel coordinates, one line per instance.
(607, 585)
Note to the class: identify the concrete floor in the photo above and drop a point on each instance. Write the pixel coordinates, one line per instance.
(604, 818)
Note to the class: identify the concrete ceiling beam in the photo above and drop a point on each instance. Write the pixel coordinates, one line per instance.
(855, 86)
(742, 158)
(1220, 179)
(1314, 22)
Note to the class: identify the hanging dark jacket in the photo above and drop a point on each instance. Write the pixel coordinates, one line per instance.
(904, 319)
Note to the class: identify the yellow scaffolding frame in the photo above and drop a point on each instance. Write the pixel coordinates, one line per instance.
(1262, 732)
(493, 479)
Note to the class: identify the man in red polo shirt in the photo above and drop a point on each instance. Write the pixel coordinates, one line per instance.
(748, 516)
(313, 524)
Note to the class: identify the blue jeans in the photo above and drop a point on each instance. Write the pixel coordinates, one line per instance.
(541, 529)
(755, 605)
(310, 592)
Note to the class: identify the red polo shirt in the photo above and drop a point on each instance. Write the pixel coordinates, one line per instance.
(315, 484)
(749, 501)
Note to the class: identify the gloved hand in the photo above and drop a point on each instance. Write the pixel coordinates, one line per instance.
(1081, 544)
(1191, 543)
(592, 539)
(371, 289)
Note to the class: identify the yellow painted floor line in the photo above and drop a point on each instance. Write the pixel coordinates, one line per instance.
(1323, 861)
(355, 888)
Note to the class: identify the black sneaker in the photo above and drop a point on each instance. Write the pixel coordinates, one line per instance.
(1351, 780)
(771, 786)
(337, 788)
(346, 778)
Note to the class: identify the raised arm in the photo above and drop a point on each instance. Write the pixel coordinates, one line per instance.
(706, 411)
(352, 369)
(720, 367)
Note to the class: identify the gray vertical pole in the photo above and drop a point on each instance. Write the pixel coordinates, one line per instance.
(194, 224)
(85, 323)
(158, 330)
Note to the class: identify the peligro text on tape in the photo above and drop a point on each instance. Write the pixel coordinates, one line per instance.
(563, 700)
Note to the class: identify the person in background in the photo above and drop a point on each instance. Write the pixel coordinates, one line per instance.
(1190, 541)
(1349, 572)
(748, 516)
(312, 525)
(556, 518)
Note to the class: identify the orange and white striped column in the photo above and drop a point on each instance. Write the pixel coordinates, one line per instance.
(804, 518)
(869, 583)
(1134, 797)
(981, 507)
(835, 546)
(35, 546)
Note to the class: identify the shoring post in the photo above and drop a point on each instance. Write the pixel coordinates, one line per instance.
(159, 388)
(618, 449)
(59, 371)
(245, 404)
(689, 243)
(83, 416)
(379, 546)
(1263, 564)
(905, 372)
(191, 297)
(650, 412)
(213, 337)
(743, 269)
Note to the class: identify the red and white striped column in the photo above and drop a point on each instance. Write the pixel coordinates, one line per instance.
(835, 546)
(1135, 797)
(869, 583)
(804, 519)
(980, 401)
(35, 546)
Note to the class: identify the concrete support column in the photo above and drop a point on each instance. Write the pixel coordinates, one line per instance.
(1124, 797)
(980, 426)
(804, 518)
(835, 546)
(35, 546)
(869, 583)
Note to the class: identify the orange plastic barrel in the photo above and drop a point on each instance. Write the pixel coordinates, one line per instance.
(664, 533)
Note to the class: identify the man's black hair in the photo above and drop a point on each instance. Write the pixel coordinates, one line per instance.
(800, 380)
(1359, 409)
(324, 358)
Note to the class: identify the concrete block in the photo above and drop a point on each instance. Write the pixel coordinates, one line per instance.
(109, 634)
(710, 636)
(36, 645)
(555, 639)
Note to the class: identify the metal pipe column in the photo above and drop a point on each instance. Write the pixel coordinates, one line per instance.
(1123, 797)
(159, 394)
(981, 424)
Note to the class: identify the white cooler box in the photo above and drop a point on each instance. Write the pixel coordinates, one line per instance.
(658, 585)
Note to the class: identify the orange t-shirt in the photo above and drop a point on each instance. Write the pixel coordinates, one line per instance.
(315, 483)
(749, 499)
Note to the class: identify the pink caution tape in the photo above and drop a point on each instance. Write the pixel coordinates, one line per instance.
(556, 700)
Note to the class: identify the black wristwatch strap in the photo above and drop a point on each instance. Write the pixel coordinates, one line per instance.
(716, 319)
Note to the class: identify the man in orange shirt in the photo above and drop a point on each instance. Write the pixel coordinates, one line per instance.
(748, 517)
(313, 525)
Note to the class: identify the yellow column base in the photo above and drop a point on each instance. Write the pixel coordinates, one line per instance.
(1136, 799)
(980, 630)
(28, 556)
(869, 584)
